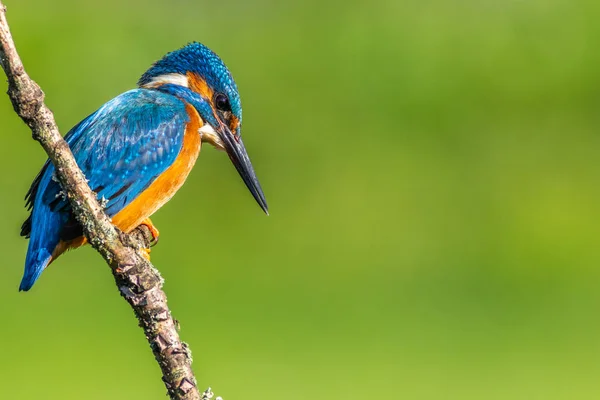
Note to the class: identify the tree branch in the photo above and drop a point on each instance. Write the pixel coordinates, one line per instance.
(136, 278)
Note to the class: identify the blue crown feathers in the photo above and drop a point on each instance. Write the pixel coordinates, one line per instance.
(199, 59)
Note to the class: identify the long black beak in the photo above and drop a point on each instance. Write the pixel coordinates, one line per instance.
(239, 157)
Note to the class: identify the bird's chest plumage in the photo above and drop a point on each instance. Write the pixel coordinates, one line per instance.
(166, 184)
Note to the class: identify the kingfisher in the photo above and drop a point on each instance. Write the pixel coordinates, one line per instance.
(137, 150)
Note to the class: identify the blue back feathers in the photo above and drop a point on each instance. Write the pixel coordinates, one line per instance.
(123, 147)
(199, 59)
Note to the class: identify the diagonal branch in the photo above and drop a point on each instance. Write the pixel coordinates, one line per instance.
(137, 280)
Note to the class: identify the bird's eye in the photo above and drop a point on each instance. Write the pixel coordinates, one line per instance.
(222, 102)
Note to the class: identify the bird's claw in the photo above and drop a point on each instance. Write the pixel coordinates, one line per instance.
(153, 231)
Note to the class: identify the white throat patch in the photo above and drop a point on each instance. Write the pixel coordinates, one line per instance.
(208, 135)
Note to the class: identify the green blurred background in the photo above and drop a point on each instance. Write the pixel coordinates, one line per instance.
(433, 176)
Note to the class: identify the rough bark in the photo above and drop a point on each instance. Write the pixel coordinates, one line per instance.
(136, 278)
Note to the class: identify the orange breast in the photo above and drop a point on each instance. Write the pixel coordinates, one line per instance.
(165, 186)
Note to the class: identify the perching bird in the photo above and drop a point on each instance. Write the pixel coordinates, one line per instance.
(138, 149)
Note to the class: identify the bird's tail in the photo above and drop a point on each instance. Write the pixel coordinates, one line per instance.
(35, 263)
(44, 239)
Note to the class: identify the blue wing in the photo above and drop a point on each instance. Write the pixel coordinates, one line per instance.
(121, 149)
(125, 146)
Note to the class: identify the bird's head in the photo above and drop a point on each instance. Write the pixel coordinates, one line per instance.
(199, 77)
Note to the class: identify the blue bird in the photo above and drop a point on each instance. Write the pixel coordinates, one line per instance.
(138, 149)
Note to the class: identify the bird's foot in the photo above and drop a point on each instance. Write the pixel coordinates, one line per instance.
(155, 233)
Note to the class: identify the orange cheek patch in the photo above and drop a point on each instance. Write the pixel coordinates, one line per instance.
(234, 122)
(199, 85)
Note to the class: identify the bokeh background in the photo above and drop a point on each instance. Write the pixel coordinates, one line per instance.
(433, 173)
